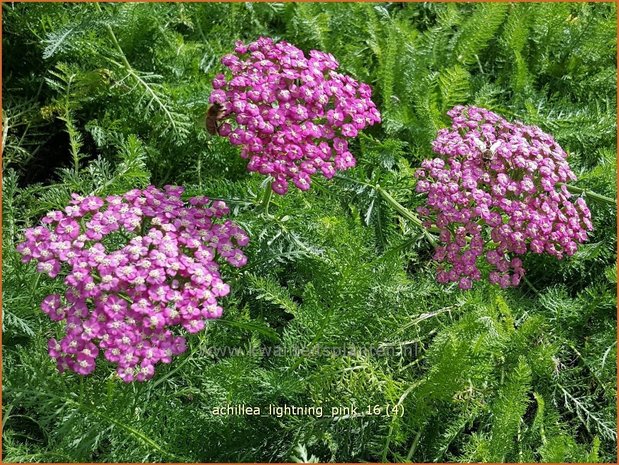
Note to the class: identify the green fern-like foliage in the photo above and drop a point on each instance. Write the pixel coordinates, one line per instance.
(338, 306)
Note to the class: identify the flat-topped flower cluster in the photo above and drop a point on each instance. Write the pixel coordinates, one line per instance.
(292, 115)
(134, 265)
(496, 190)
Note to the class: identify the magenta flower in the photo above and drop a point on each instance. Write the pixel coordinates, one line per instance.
(497, 190)
(291, 115)
(135, 266)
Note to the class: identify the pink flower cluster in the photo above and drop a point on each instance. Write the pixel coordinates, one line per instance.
(496, 191)
(134, 265)
(291, 115)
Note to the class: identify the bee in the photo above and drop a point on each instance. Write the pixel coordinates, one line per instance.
(214, 114)
(488, 154)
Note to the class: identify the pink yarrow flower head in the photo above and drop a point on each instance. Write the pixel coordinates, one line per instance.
(138, 268)
(291, 114)
(496, 191)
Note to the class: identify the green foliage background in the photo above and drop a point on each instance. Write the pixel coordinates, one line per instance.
(105, 98)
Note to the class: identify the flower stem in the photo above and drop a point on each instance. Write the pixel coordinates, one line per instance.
(590, 194)
(413, 448)
(530, 284)
(406, 213)
(266, 197)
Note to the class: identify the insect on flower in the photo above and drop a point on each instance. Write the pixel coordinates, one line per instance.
(214, 114)
(497, 190)
(291, 114)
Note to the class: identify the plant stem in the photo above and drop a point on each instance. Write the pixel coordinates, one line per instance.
(129, 429)
(530, 284)
(266, 197)
(406, 213)
(135, 74)
(413, 448)
(590, 194)
(383, 457)
(114, 40)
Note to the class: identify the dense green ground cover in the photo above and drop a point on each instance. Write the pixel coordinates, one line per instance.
(105, 98)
